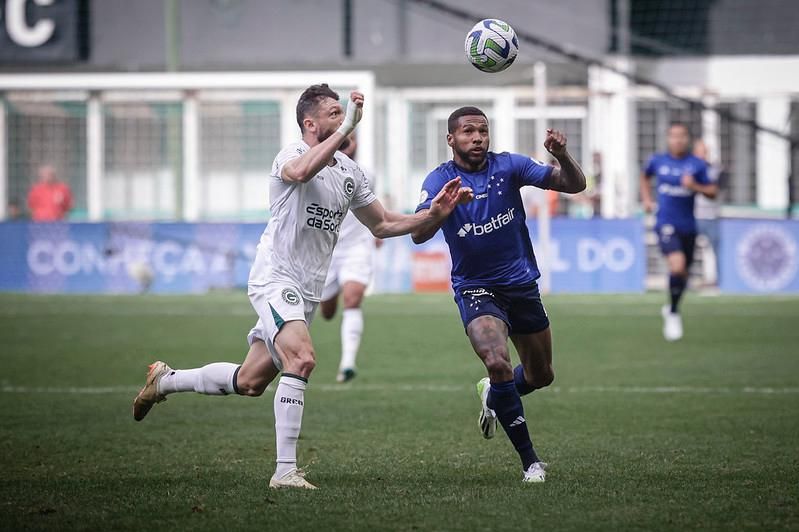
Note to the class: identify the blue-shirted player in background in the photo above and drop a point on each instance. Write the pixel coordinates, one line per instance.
(494, 270)
(680, 176)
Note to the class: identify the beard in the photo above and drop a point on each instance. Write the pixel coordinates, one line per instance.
(471, 158)
(324, 135)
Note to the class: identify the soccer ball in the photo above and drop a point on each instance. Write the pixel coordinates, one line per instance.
(491, 45)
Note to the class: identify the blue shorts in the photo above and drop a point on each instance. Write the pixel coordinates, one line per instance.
(671, 240)
(519, 307)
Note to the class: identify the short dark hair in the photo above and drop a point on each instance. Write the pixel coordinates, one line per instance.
(310, 98)
(452, 121)
(682, 125)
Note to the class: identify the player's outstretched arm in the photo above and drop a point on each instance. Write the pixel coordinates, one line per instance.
(709, 190)
(306, 166)
(385, 224)
(646, 193)
(569, 177)
(423, 234)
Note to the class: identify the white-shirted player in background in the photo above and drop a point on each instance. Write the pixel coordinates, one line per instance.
(311, 188)
(349, 275)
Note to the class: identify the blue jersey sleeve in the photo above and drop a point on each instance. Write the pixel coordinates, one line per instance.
(649, 168)
(531, 172)
(701, 175)
(432, 185)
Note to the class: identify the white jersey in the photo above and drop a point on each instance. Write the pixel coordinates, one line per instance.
(298, 242)
(706, 208)
(352, 233)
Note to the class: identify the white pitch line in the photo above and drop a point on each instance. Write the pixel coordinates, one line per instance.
(85, 390)
(412, 388)
(681, 390)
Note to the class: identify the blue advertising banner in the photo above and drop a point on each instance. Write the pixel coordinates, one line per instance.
(587, 256)
(125, 257)
(596, 255)
(759, 256)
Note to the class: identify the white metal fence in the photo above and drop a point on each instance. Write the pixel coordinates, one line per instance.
(199, 146)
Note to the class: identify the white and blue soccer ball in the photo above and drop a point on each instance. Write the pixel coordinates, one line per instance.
(491, 45)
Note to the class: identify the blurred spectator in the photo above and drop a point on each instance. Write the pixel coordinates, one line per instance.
(14, 211)
(706, 209)
(586, 203)
(49, 199)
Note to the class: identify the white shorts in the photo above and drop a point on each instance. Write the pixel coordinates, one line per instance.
(277, 303)
(353, 264)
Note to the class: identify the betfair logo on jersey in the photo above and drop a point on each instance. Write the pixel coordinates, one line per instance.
(323, 218)
(349, 187)
(290, 296)
(676, 191)
(494, 223)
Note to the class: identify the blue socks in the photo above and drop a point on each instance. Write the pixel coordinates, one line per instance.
(504, 399)
(676, 288)
(521, 384)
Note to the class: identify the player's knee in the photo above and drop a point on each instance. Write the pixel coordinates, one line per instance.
(352, 300)
(497, 363)
(250, 387)
(307, 364)
(302, 362)
(352, 295)
(544, 378)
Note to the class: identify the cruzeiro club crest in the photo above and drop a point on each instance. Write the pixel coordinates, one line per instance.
(767, 257)
(423, 197)
(290, 296)
(349, 187)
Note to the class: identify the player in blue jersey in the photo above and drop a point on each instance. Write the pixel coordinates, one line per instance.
(680, 176)
(494, 270)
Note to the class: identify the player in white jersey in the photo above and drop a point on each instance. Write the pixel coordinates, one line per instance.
(311, 188)
(349, 275)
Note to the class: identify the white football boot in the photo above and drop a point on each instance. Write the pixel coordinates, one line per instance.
(672, 324)
(536, 473)
(293, 479)
(488, 418)
(149, 396)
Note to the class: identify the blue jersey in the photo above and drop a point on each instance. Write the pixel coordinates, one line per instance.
(675, 202)
(488, 238)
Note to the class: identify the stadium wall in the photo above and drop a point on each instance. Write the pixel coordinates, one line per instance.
(757, 257)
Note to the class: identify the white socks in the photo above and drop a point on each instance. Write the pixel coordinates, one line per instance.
(351, 330)
(213, 379)
(217, 379)
(289, 402)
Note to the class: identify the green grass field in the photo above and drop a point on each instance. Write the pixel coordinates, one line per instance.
(639, 434)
